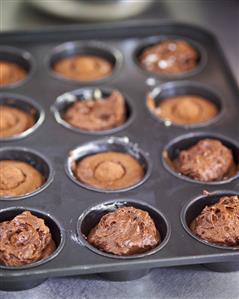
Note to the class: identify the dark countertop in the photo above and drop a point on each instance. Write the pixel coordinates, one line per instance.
(221, 17)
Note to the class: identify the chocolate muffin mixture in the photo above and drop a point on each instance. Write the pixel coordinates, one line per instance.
(14, 121)
(183, 110)
(25, 240)
(169, 57)
(18, 178)
(83, 67)
(11, 73)
(97, 114)
(219, 223)
(109, 170)
(126, 231)
(207, 161)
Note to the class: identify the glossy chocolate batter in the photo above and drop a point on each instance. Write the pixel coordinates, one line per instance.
(169, 57)
(11, 72)
(126, 231)
(184, 110)
(97, 114)
(14, 121)
(18, 178)
(219, 223)
(109, 170)
(24, 240)
(207, 161)
(83, 67)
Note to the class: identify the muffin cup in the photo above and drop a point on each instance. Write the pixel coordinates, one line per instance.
(20, 57)
(92, 216)
(27, 105)
(95, 48)
(149, 42)
(191, 210)
(33, 158)
(171, 89)
(173, 148)
(115, 144)
(58, 236)
(64, 101)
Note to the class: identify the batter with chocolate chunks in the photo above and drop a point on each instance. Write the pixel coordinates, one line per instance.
(207, 161)
(18, 178)
(97, 114)
(183, 110)
(109, 170)
(219, 223)
(126, 231)
(11, 73)
(83, 67)
(25, 240)
(169, 57)
(14, 121)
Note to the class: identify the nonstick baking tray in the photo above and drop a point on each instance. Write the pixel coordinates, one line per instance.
(168, 197)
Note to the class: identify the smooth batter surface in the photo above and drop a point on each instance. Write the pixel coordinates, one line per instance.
(11, 72)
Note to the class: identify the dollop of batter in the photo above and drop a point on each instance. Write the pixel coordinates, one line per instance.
(18, 178)
(126, 231)
(219, 223)
(109, 170)
(169, 57)
(14, 121)
(97, 114)
(207, 161)
(11, 73)
(83, 67)
(24, 240)
(183, 110)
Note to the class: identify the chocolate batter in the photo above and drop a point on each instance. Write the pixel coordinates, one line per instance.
(97, 114)
(219, 223)
(24, 240)
(83, 67)
(184, 110)
(207, 161)
(14, 121)
(169, 57)
(18, 178)
(109, 170)
(126, 231)
(11, 72)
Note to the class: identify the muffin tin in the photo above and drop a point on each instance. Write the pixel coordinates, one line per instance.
(163, 193)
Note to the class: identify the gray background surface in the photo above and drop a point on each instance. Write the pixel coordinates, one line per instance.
(221, 17)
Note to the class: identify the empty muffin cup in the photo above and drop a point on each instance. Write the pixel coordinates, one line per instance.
(194, 208)
(25, 172)
(108, 165)
(170, 57)
(84, 110)
(84, 61)
(184, 104)
(16, 66)
(213, 172)
(20, 116)
(57, 238)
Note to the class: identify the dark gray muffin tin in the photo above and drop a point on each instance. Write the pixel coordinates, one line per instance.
(63, 203)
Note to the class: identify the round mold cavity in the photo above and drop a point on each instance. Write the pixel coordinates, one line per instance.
(66, 100)
(20, 57)
(33, 158)
(114, 144)
(194, 207)
(173, 148)
(151, 41)
(91, 217)
(94, 48)
(172, 89)
(55, 227)
(27, 105)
